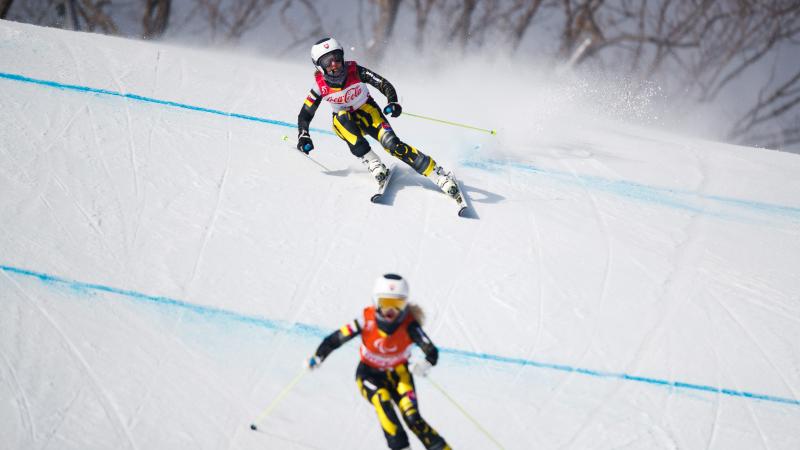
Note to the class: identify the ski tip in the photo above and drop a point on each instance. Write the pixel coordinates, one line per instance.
(463, 212)
(376, 198)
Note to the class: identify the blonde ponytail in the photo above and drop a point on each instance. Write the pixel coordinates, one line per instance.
(417, 312)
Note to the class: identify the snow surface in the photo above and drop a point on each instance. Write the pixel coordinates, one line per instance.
(167, 262)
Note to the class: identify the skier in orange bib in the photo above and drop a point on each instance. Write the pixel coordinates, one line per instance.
(387, 329)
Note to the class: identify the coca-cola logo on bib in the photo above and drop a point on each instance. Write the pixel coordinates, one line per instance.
(351, 94)
(346, 96)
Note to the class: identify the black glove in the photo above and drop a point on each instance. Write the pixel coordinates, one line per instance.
(393, 108)
(304, 142)
(432, 356)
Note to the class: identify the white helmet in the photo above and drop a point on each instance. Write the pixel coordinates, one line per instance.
(322, 48)
(390, 290)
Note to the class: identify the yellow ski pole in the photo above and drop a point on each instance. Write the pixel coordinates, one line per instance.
(451, 123)
(465, 413)
(271, 407)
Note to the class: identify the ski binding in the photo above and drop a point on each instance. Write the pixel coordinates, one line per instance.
(376, 197)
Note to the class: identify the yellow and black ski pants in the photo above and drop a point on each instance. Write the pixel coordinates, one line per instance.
(382, 389)
(368, 120)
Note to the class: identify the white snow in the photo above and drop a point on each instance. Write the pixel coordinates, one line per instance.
(167, 262)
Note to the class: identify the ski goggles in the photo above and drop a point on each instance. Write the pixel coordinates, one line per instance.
(391, 303)
(326, 60)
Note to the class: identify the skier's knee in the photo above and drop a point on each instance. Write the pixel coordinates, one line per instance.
(395, 436)
(360, 148)
(389, 139)
(396, 147)
(415, 422)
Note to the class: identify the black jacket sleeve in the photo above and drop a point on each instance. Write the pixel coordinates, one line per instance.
(337, 339)
(424, 342)
(380, 83)
(307, 111)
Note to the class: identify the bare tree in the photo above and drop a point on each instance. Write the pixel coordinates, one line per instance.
(156, 18)
(470, 21)
(773, 104)
(423, 12)
(579, 24)
(232, 19)
(700, 48)
(311, 27)
(460, 30)
(520, 18)
(94, 16)
(5, 5)
(383, 28)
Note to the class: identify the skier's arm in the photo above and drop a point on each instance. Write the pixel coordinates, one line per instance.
(304, 142)
(424, 342)
(380, 83)
(308, 110)
(337, 339)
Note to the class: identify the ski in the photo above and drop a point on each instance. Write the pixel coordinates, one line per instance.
(463, 209)
(461, 202)
(376, 197)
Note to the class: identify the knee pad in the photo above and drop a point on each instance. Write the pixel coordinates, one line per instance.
(389, 140)
(397, 148)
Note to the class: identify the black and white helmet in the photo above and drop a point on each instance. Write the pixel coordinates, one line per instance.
(325, 51)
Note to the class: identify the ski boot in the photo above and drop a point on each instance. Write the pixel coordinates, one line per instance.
(375, 166)
(446, 183)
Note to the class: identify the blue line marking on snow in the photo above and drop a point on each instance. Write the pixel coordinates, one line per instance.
(73, 87)
(725, 207)
(315, 331)
(622, 376)
(685, 200)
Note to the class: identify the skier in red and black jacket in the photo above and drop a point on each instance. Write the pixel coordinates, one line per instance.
(343, 84)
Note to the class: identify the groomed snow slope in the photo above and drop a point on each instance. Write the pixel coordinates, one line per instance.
(167, 262)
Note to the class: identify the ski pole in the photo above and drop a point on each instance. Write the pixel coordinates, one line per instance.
(271, 407)
(465, 413)
(285, 138)
(451, 123)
